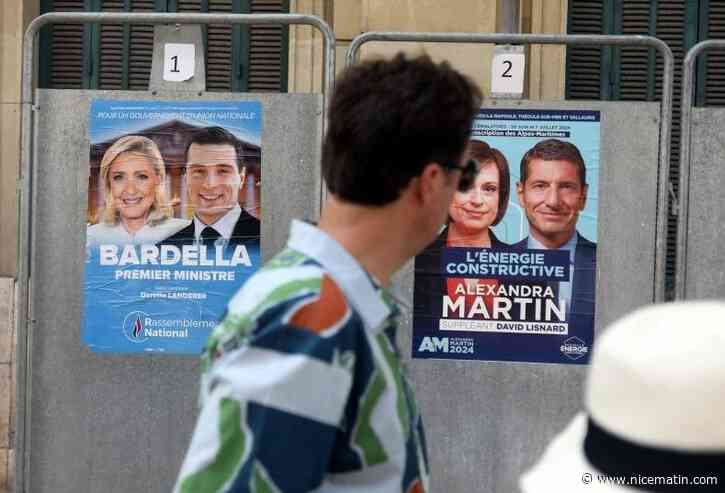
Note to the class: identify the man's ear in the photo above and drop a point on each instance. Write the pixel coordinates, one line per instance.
(242, 175)
(520, 191)
(430, 181)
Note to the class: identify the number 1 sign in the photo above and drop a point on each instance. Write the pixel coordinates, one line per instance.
(179, 61)
(507, 71)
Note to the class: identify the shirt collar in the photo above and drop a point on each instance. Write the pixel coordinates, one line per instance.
(224, 225)
(569, 246)
(344, 269)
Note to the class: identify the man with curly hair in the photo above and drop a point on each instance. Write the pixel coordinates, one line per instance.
(303, 388)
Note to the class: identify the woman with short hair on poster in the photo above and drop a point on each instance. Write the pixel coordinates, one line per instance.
(473, 212)
(471, 215)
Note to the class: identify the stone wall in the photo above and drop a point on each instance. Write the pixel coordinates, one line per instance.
(7, 381)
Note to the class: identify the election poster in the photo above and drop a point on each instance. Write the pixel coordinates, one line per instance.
(173, 220)
(512, 276)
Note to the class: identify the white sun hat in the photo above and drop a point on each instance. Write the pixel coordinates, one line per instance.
(655, 403)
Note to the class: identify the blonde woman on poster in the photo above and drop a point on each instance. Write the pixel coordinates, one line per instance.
(135, 209)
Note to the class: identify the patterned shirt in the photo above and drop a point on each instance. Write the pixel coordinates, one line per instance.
(303, 388)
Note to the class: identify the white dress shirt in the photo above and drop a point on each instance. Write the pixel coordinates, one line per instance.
(224, 225)
(565, 288)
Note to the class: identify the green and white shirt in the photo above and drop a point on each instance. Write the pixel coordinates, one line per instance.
(303, 388)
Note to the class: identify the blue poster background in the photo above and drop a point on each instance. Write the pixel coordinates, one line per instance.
(134, 300)
(481, 325)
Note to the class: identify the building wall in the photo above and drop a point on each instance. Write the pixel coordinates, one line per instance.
(11, 35)
(14, 17)
(7, 381)
(352, 17)
(306, 55)
(546, 68)
(430, 16)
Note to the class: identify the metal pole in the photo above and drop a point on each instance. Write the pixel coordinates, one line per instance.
(574, 39)
(683, 207)
(27, 194)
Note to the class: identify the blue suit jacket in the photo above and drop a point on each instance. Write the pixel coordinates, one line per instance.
(583, 293)
(246, 232)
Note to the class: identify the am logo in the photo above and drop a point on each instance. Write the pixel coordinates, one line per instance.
(433, 345)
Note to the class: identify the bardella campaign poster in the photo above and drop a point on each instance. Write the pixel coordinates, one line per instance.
(173, 220)
(512, 277)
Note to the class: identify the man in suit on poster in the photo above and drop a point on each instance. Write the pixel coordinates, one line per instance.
(552, 192)
(215, 173)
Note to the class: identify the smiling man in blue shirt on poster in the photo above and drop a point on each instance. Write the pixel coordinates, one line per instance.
(553, 191)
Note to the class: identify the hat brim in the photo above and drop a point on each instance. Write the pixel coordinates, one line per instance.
(564, 468)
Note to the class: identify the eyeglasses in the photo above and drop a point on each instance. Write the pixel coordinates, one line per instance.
(468, 173)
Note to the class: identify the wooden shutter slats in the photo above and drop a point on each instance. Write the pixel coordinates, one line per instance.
(263, 68)
(634, 61)
(219, 50)
(715, 60)
(110, 71)
(66, 56)
(189, 6)
(583, 62)
(266, 50)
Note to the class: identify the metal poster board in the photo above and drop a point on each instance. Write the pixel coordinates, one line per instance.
(124, 419)
(700, 203)
(488, 421)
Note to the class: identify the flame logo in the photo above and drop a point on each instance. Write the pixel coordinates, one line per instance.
(134, 328)
(137, 328)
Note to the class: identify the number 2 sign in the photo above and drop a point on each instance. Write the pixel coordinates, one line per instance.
(507, 71)
(179, 61)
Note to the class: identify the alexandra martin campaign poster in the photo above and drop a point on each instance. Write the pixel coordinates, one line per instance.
(512, 276)
(173, 220)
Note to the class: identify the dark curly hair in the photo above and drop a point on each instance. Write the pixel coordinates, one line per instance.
(388, 119)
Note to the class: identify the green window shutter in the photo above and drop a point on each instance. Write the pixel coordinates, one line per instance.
(268, 50)
(712, 73)
(584, 63)
(117, 57)
(610, 73)
(633, 70)
(108, 56)
(139, 45)
(217, 41)
(219, 48)
(126, 50)
(636, 73)
(113, 57)
(191, 6)
(62, 49)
